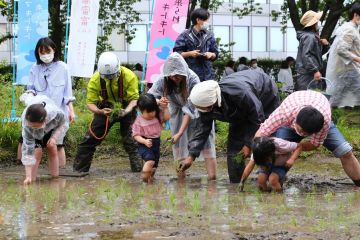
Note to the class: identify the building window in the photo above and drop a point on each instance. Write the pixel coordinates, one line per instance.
(117, 41)
(258, 39)
(241, 39)
(277, 1)
(222, 32)
(276, 39)
(139, 42)
(292, 42)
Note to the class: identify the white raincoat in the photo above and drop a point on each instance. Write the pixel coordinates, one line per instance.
(342, 71)
(55, 120)
(176, 65)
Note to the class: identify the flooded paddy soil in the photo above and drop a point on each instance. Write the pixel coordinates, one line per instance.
(112, 203)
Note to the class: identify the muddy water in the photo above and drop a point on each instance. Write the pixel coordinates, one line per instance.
(112, 203)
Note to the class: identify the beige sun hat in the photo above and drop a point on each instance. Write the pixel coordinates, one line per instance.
(310, 18)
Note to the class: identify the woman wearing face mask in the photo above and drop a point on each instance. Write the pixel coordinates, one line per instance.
(198, 46)
(174, 87)
(50, 77)
(309, 63)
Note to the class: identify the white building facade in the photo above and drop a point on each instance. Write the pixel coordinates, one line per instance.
(255, 36)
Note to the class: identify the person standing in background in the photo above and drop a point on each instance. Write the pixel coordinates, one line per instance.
(309, 63)
(242, 64)
(197, 45)
(343, 68)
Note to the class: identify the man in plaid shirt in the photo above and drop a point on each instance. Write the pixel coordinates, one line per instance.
(308, 113)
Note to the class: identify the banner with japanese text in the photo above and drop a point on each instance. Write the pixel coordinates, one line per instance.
(32, 25)
(169, 20)
(83, 37)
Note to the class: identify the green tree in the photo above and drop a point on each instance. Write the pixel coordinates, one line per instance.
(333, 11)
(114, 15)
(206, 4)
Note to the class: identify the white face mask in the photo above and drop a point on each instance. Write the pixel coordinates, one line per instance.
(47, 58)
(254, 65)
(205, 26)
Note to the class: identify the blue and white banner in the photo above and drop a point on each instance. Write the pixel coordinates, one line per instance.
(32, 25)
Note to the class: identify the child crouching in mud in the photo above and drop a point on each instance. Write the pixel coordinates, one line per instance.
(43, 126)
(146, 130)
(274, 156)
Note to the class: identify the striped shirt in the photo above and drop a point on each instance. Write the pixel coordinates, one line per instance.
(286, 113)
(146, 128)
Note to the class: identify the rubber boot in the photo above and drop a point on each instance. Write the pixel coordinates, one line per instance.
(236, 166)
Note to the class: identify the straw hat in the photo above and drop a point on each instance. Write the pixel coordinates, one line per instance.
(310, 18)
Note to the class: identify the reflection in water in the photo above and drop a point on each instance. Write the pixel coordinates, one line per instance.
(113, 207)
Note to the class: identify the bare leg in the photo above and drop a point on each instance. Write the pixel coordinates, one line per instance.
(19, 152)
(211, 165)
(53, 161)
(262, 181)
(147, 171)
(274, 181)
(31, 171)
(38, 155)
(351, 165)
(61, 156)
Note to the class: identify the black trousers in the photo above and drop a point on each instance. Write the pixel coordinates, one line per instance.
(87, 146)
(235, 161)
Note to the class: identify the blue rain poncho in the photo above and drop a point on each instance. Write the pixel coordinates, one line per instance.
(342, 71)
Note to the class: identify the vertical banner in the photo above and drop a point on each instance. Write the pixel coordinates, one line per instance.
(32, 25)
(83, 37)
(169, 20)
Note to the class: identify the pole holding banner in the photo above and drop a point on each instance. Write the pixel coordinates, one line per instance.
(168, 22)
(147, 47)
(83, 37)
(13, 117)
(67, 30)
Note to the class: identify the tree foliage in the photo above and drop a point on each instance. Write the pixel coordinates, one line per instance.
(114, 15)
(333, 10)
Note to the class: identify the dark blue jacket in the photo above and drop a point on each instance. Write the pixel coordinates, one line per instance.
(206, 43)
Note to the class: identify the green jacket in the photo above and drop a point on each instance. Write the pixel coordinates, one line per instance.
(130, 87)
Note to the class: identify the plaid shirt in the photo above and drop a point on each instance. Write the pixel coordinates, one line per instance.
(286, 113)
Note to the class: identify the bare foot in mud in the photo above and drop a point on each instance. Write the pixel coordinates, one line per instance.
(27, 181)
(181, 174)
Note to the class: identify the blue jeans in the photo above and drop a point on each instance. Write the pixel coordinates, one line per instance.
(334, 141)
(279, 170)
